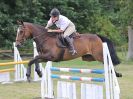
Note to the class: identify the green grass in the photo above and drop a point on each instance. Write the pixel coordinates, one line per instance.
(25, 90)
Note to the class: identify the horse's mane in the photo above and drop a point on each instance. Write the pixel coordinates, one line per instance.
(36, 26)
(43, 30)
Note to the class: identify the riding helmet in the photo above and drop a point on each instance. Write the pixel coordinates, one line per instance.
(54, 12)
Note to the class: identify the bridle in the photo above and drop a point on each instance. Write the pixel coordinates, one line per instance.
(23, 35)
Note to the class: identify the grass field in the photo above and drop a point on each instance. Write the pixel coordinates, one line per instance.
(25, 90)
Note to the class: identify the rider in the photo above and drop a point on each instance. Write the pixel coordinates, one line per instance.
(64, 25)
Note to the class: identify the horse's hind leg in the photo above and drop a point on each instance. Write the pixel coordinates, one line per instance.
(91, 58)
(118, 74)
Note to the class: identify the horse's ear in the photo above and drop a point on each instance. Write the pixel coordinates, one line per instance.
(20, 22)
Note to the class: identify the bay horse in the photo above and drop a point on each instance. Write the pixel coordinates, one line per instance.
(88, 46)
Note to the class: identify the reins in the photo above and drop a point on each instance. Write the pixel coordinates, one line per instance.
(38, 36)
(39, 44)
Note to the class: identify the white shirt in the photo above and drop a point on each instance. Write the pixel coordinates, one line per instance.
(61, 23)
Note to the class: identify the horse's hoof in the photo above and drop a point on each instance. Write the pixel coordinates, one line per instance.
(40, 74)
(118, 75)
(28, 78)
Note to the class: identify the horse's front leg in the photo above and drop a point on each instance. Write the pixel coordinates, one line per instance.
(37, 69)
(29, 69)
(28, 74)
(41, 58)
(36, 60)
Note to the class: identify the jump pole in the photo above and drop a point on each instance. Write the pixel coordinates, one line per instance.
(13, 63)
(7, 70)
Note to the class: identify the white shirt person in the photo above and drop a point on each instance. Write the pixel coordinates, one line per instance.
(64, 25)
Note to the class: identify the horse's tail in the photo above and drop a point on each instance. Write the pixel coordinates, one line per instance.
(112, 50)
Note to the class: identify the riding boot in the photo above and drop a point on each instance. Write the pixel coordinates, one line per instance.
(70, 45)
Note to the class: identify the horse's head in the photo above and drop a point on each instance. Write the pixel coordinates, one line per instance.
(23, 32)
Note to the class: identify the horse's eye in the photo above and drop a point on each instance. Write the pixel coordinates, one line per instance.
(21, 32)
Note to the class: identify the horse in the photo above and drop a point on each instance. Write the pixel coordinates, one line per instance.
(88, 46)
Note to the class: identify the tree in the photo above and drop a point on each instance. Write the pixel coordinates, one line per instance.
(104, 17)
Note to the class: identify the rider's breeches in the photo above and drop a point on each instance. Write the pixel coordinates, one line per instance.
(70, 29)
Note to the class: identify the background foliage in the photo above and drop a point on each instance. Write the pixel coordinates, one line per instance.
(109, 18)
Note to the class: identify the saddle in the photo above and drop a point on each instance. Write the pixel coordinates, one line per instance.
(61, 42)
